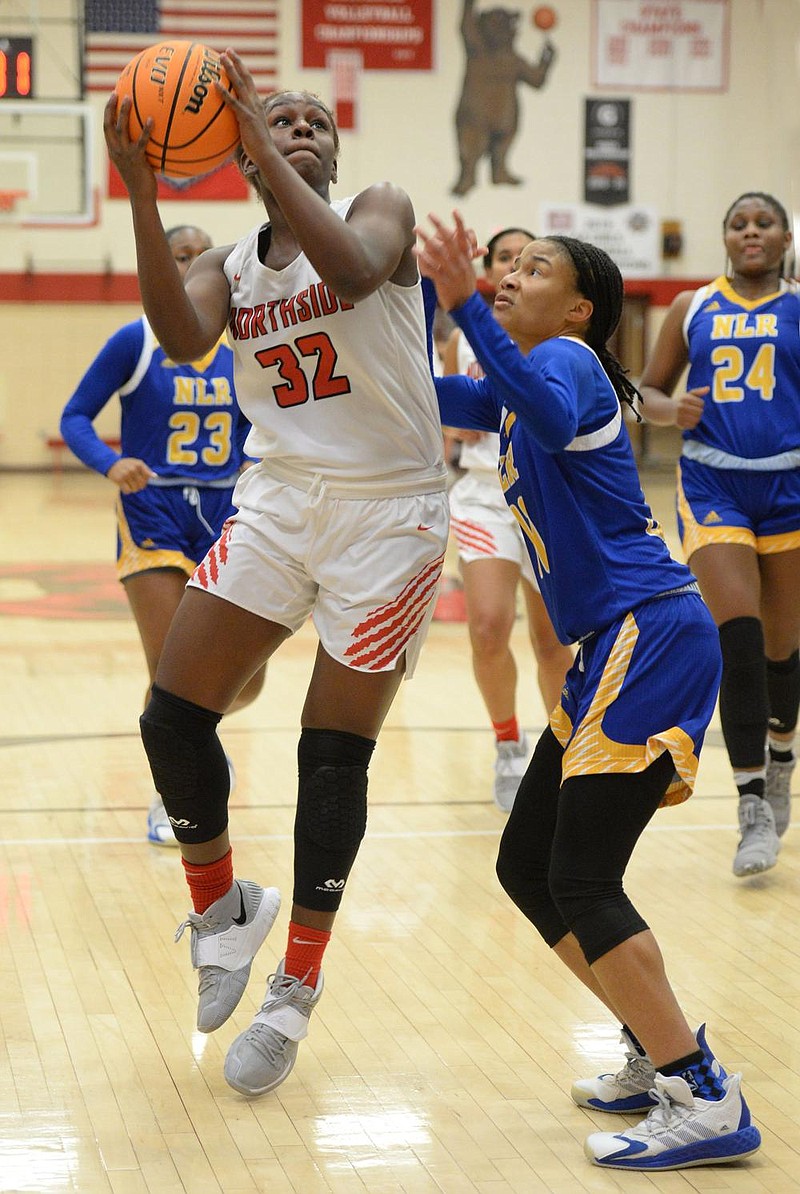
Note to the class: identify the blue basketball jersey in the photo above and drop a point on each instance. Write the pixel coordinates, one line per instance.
(181, 419)
(748, 353)
(568, 473)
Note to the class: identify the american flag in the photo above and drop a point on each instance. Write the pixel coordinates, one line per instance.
(116, 30)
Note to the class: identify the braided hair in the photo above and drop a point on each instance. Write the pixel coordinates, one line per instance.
(599, 280)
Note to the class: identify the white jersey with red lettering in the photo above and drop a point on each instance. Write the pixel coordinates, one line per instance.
(481, 457)
(334, 390)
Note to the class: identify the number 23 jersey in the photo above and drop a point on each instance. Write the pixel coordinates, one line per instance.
(332, 388)
(748, 353)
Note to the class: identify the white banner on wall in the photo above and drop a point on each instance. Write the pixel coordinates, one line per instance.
(628, 233)
(678, 46)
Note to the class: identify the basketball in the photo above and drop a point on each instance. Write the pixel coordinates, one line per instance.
(544, 17)
(173, 82)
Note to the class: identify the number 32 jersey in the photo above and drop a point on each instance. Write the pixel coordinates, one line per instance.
(333, 389)
(748, 354)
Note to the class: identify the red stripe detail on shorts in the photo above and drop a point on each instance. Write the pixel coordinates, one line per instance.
(384, 612)
(473, 536)
(227, 531)
(207, 572)
(384, 633)
(383, 639)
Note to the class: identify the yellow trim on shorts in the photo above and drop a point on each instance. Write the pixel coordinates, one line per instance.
(592, 752)
(133, 559)
(696, 535)
(770, 545)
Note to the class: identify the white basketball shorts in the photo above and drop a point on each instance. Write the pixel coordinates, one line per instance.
(365, 569)
(484, 527)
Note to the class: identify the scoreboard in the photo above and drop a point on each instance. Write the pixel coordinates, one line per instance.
(16, 68)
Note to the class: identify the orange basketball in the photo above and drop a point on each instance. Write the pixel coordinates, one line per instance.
(544, 17)
(193, 131)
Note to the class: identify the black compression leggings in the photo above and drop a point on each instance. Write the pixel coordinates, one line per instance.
(565, 848)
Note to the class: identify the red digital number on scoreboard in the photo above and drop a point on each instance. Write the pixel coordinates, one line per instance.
(16, 68)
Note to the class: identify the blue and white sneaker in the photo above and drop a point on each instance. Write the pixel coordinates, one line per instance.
(681, 1131)
(628, 1091)
(624, 1093)
(159, 829)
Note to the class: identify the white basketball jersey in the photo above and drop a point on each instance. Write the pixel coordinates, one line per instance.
(333, 389)
(481, 457)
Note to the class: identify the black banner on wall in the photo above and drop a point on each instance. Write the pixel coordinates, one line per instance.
(607, 151)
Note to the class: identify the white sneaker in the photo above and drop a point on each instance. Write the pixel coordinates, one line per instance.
(630, 1089)
(264, 1055)
(225, 939)
(759, 844)
(778, 791)
(681, 1131)
(159, 830)
(510, 765)
(623, 1093)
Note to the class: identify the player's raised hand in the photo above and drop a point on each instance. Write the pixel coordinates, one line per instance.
(445, 256)
(128, 156)
(246, 104)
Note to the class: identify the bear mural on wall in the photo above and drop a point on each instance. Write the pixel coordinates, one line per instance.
(488, 109)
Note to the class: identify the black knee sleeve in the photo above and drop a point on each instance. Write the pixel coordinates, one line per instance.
(189, 767)
(523, 860)
(603, 818)
(783, 685)
(331, 814)
(743, 700)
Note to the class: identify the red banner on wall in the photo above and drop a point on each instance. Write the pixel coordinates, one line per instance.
(389, 36)
(225, 184)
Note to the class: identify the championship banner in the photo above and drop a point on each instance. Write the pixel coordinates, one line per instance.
(680, 46)
(389, 36)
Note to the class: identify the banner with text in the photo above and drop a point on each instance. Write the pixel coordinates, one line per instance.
(629, 234)
(680, 46)
(606, 152)
(389, 36)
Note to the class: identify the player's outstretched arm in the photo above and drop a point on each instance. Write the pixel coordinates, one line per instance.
(186, 329)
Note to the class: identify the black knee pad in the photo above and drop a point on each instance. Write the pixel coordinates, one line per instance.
(603, 817)
(743, 700)
(190, 770)
(331, 814)
(783, 684)
(523, 860)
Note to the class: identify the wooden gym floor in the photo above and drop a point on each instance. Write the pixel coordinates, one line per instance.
(441, 1055)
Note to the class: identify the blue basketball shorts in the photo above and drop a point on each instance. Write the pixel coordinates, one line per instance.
(645, 684)
(171, 526)
(715, 505)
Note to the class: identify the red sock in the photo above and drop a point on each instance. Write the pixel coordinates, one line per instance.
(208, 881)
(304, 952)
(506, 731)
